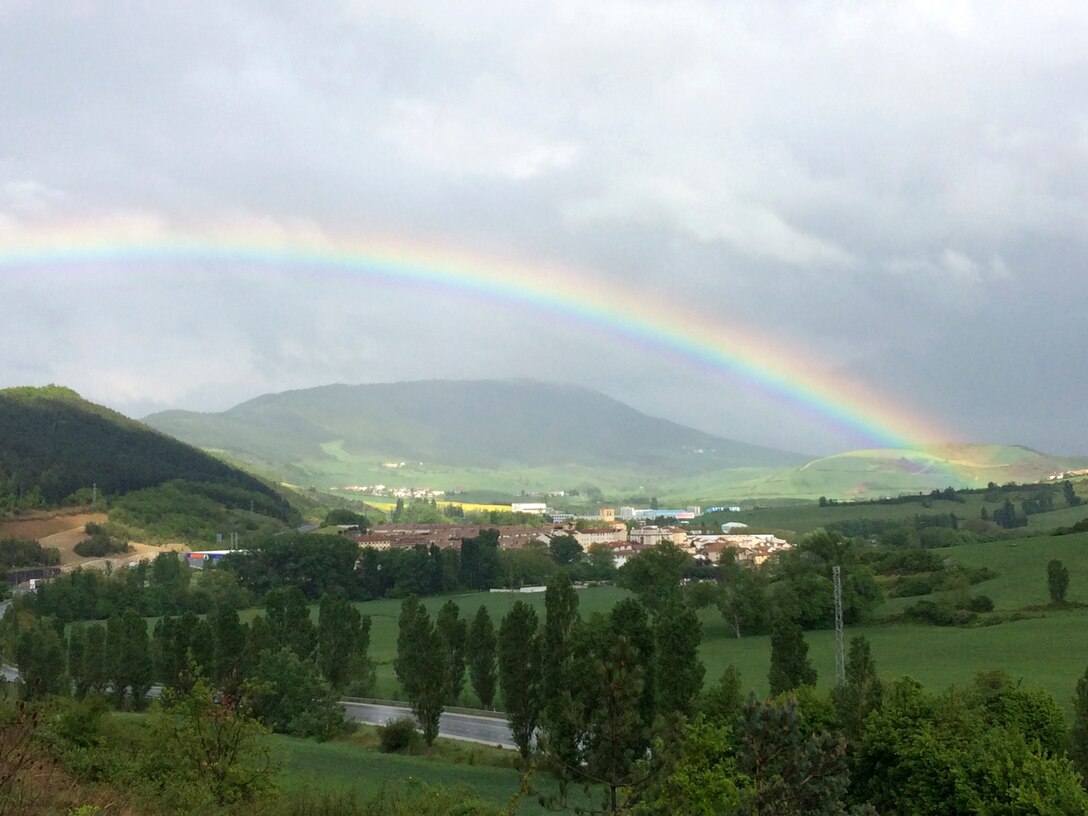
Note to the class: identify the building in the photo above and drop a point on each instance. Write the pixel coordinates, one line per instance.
(655, 535)
(537, 508)
(749, 549)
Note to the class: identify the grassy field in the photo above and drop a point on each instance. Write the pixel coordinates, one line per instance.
(384, 614)
(804, 518)
(346, 766)
(1049, 650)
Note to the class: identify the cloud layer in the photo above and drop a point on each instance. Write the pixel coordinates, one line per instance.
(898, 189)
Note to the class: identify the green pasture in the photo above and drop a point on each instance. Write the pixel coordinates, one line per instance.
(345, 767)
(806, 517)
(385, 613)
(1049, 649)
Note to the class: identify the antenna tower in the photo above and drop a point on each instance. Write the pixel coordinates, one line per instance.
(840, 655)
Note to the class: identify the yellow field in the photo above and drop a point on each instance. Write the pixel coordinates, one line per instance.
(469, 507)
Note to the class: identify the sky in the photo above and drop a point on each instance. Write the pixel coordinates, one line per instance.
(891, 195)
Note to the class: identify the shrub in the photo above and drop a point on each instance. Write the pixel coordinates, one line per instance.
(981, 603)
(398, 735)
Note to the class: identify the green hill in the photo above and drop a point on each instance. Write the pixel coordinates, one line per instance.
(54, 446)
(892, 472)
(522, 435)
(498, 434)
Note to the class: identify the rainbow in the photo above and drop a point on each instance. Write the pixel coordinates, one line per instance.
(718, 347)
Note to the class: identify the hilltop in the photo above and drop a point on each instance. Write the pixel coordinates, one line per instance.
(490, 433)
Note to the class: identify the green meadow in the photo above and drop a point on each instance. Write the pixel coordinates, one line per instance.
(352, 768)
(1049, 649)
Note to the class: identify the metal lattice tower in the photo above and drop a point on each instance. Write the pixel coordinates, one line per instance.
(840, 654)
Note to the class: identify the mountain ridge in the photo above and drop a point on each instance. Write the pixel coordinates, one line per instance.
(475, 423)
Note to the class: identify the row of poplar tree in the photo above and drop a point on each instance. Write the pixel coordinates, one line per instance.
(588, 692)
(296, 669)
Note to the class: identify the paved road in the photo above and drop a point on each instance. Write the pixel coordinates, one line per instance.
(467, 727)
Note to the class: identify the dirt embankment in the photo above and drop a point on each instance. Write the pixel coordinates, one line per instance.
(64, 530)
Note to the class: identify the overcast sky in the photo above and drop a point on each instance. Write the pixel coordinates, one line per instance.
(900, 190)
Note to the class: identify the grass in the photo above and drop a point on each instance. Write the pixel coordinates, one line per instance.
(1048, 650)
(348, 766)
(385, 613)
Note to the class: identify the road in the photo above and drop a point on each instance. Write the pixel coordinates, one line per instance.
(465, 727)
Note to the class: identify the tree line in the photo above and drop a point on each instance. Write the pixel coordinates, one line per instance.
(295, 669)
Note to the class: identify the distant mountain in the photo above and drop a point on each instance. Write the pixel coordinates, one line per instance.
(491, 425)
(53, 443)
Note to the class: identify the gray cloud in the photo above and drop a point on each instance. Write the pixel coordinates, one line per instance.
(899, 190)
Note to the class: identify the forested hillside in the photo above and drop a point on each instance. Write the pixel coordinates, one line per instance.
(54, 446)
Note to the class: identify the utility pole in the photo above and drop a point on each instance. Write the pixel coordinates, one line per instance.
(94, 493)
(840, 654)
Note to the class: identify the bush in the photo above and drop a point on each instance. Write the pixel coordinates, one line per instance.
(909, 586)
(981, 603)
(398, 735)
(100, 545)
(930, 612)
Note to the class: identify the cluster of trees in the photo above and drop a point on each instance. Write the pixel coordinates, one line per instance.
(317, 563)
(796, 585)
(293, 669)
(591, 692)
(99, 542)
(163, 586)
(19, 552)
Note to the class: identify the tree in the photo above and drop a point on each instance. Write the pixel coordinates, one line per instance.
(420, 666)
(343, 638)
(519, 672)
(565, 549)
(215, 740)
(741, 600)
(136, 670)
(962, 752)
(617, 733)
(678, 632)
(230, 641)
(1057, 579)
(77, 646)
(95, 675)
(721, 703)
(862, 690)
(561, 717)
(480, 654)
(700, 778)
(40, 657)
(1078, 751)
(289, 620)
(481, 567)
(291, 697)
(790, 771)
(1071, 498)
(453, 632)
(790, 666)
(655, 574)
